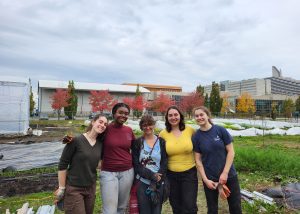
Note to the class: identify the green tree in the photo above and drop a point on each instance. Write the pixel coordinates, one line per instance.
(215, 101)
(137, 113)
(288, 107)
(297, 104)
(206, 101)
(70, 111)
(200, 90)
(32, 103)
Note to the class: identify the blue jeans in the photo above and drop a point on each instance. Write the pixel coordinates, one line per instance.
(234, 200)
(145, 204)
(115, 189)
(183, 191)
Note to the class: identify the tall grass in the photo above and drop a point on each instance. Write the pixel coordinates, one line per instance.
(266, 159)
(276, 155)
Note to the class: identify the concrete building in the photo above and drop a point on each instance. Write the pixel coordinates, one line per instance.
(175, 92)
(283, 85)
(264, 91)
(46, 88)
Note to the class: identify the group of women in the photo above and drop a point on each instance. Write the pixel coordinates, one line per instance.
(148, 163)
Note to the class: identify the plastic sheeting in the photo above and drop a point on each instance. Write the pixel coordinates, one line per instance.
(14, 105)
(288, 195)
(29, 156)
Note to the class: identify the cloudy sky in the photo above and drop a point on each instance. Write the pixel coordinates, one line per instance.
(169, 42)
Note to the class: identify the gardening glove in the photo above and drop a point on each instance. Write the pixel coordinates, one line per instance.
(67, 139)
(224, 191)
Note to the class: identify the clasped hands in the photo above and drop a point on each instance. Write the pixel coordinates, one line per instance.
(224, 191)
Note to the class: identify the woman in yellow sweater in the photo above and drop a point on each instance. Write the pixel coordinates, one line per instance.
(182, 172)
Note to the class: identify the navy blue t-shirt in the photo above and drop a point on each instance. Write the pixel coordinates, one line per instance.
(211, 144)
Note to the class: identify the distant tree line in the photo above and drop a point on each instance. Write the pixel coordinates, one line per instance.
(102, 101)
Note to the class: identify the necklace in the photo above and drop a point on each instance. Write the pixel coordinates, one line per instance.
(92, 141)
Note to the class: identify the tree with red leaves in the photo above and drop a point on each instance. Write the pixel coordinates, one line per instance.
(137, 104)
(189, 102)
(129, 101)
(59, 100)
(162, 103)
(101, 101)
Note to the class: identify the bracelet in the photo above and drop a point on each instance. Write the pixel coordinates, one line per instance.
(62, 188)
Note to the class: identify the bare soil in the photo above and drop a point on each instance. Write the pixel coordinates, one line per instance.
(27, 184)
(11, 186)
(49, 134)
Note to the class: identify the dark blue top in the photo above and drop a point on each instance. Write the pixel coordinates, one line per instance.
(211, 144)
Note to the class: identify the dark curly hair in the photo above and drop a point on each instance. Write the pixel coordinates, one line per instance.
(181, 122)
(146, 120)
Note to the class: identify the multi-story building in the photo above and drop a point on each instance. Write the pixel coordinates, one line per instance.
(175, 92)
(283, 85)
(264, 91)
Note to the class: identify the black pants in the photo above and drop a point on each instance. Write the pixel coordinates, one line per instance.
(145, 204)
(183, 191)
(234, 200)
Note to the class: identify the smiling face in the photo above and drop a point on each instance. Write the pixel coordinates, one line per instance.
(121, 115)
(99, 125)
(148, 129)
(173, 117)
(201, 117)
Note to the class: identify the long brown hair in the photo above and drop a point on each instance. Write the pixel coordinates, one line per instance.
(90, 126)
(206, 111)
(181, 122)
(96, 117)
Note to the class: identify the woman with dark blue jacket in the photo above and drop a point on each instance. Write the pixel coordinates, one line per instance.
(150, 166)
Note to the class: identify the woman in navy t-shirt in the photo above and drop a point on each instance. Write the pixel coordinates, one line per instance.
(214, 156)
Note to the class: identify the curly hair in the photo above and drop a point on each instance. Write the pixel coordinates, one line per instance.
(146, 120)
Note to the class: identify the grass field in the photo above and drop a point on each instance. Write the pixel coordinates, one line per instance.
(260, 161)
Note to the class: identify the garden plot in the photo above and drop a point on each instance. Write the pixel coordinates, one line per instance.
(242, 127)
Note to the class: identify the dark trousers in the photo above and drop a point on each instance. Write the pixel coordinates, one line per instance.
(145, 204)
(183, 191)
(234, 200)
(80, 200)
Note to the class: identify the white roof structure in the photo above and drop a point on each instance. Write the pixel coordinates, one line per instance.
(91, 86)
(14, 79)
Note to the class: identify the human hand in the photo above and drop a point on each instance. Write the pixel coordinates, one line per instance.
(223, 178)
(157, 177)
(59, 193)
(67, 139)
(211, 184)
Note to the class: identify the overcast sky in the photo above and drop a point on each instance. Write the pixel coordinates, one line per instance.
(174, 42)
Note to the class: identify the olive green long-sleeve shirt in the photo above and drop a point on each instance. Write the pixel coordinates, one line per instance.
(81, 159)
